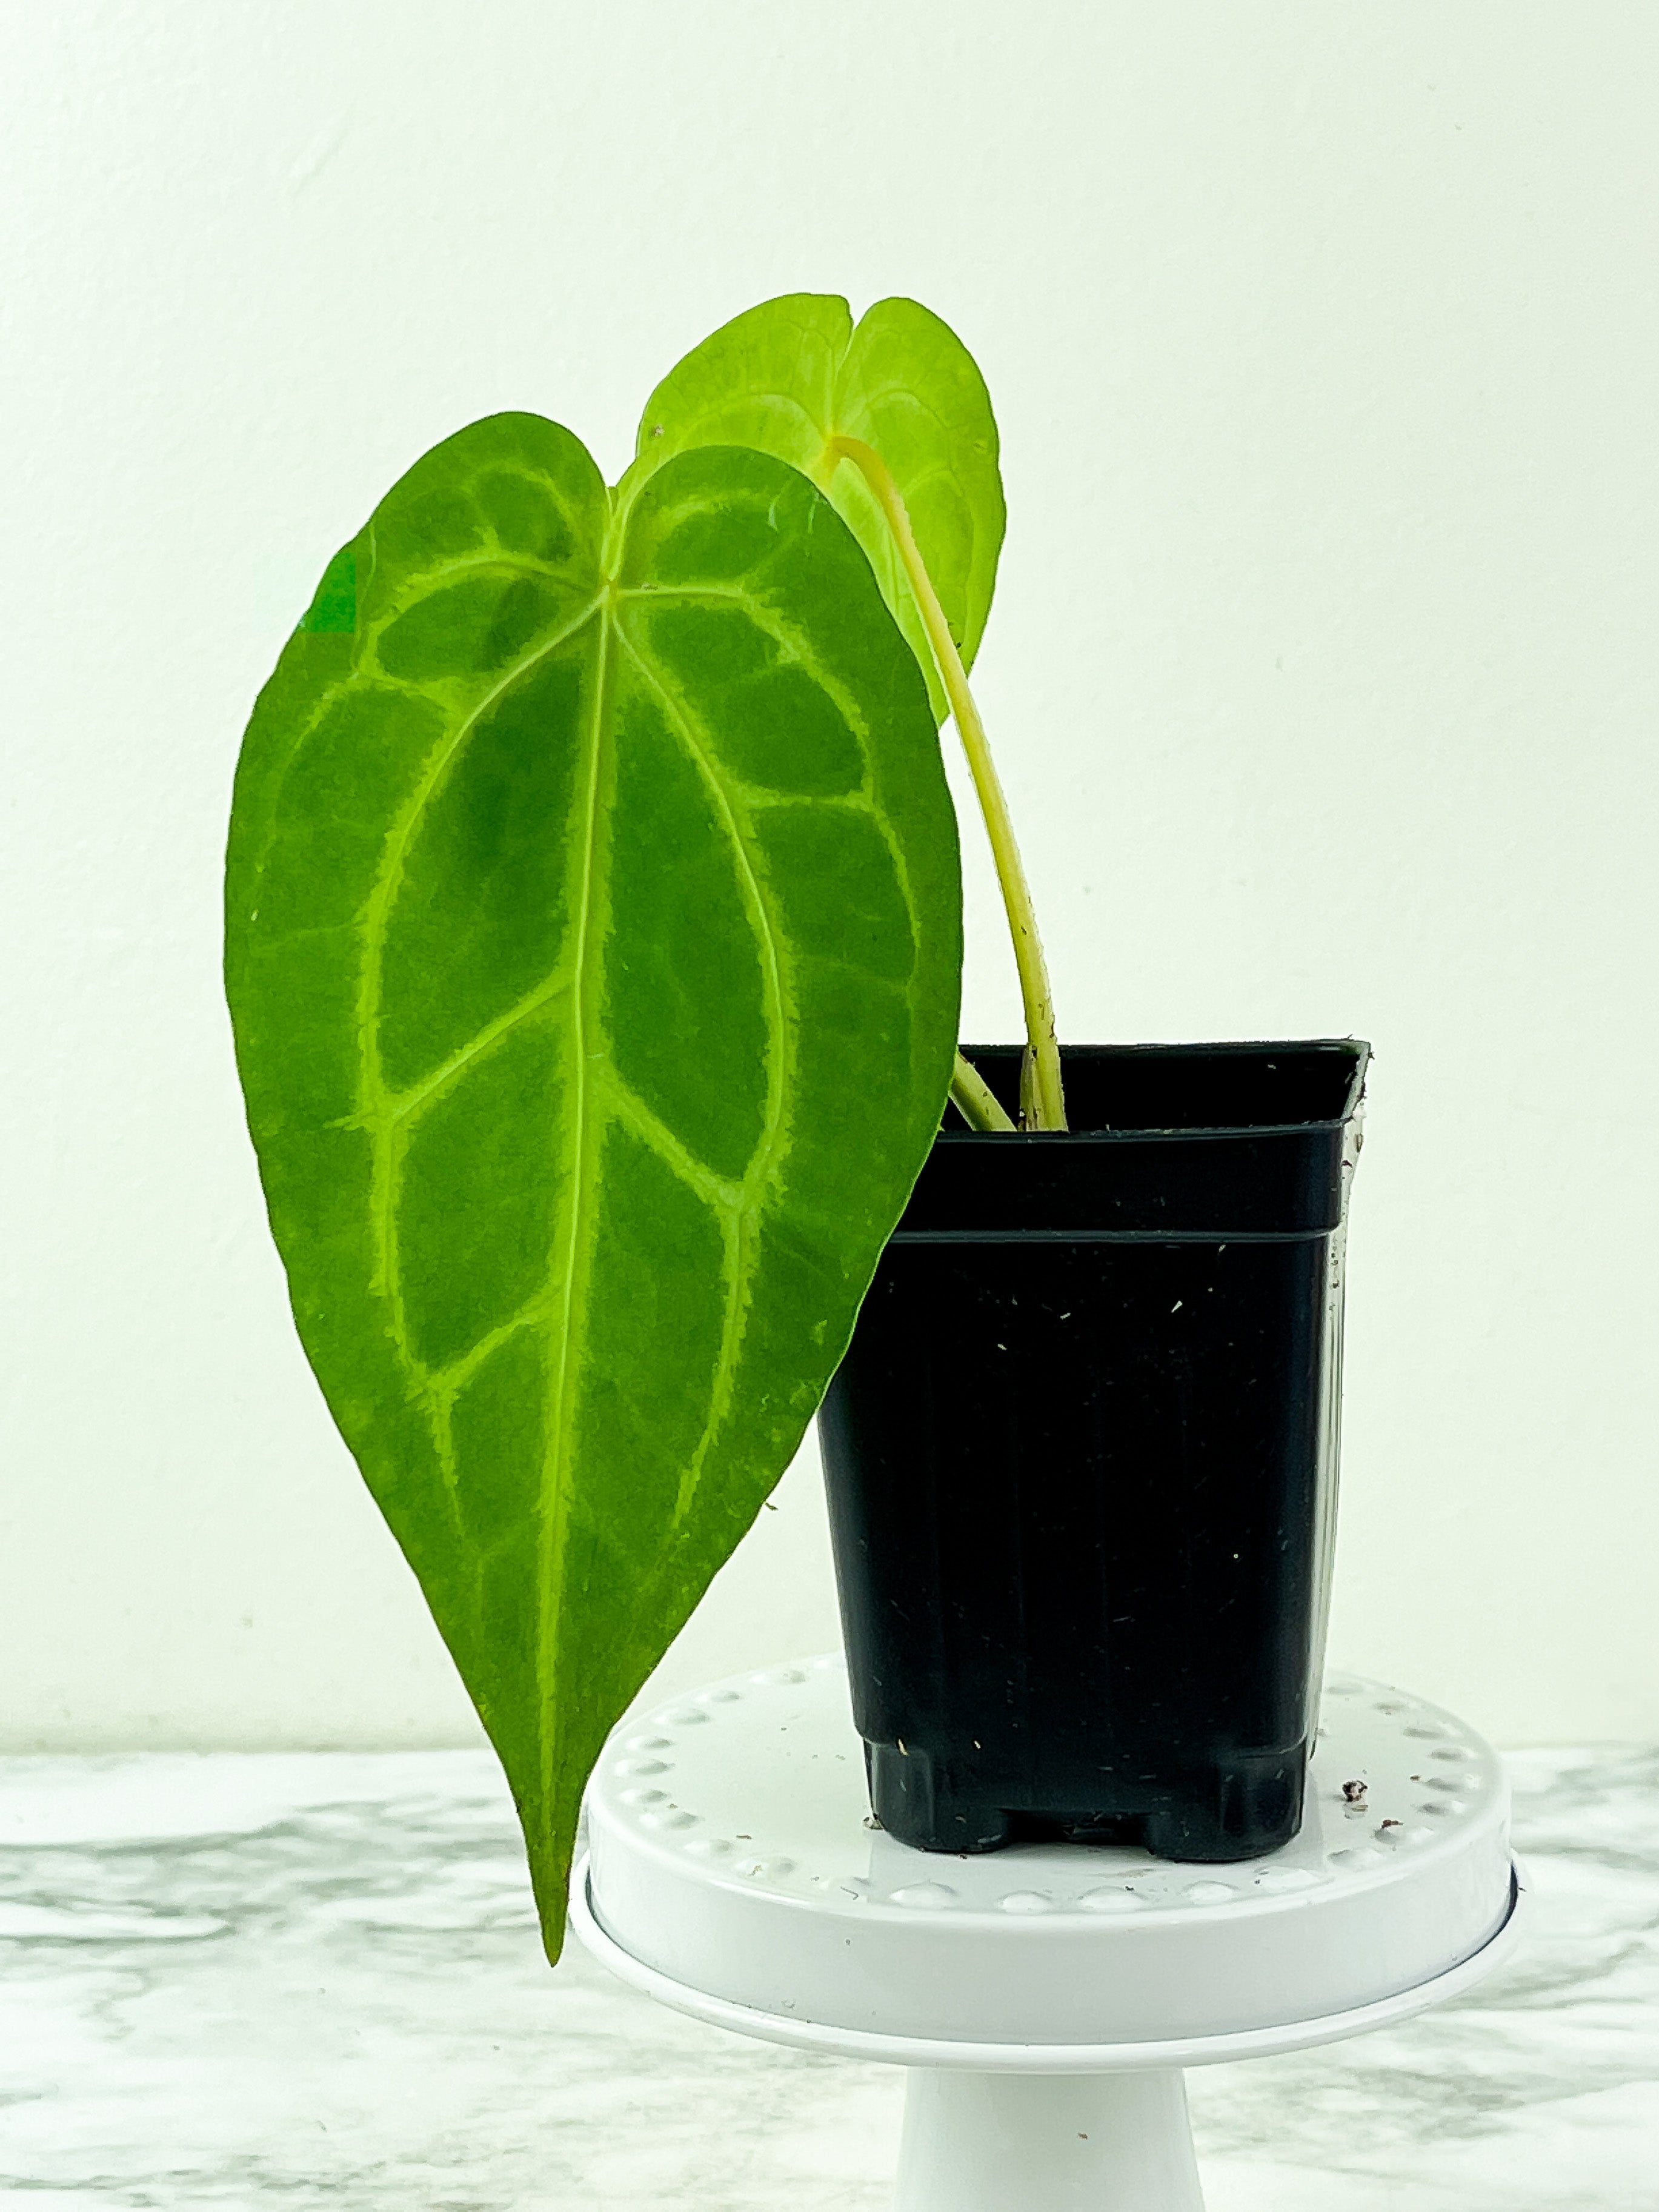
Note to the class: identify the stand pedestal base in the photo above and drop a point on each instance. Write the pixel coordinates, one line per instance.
(1044, 1998)
(1047, 2143)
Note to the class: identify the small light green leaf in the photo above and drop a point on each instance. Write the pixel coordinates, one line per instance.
(593, 941)
(788, 377)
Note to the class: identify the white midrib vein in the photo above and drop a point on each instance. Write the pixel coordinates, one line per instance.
(587, 1127)
(555, 1530)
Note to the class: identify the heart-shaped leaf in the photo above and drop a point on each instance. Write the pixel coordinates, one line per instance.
(790, 376)
(592, 946)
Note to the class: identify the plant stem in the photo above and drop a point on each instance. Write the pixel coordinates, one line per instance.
(975, 1100)
(1047, 1106)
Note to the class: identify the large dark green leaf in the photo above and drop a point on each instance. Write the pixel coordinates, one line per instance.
(790, 376)
(593, 942)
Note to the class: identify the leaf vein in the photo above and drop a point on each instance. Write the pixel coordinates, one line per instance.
(400, 1105)
(373, 1099)
(724, 1192)
(582, 1156)
(740, 1229)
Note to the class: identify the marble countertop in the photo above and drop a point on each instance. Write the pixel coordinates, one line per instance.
(243, 1980)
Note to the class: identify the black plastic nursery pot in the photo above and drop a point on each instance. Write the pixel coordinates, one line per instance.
(1082, 1457)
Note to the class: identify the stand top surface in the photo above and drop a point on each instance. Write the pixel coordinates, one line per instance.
(735, 1870)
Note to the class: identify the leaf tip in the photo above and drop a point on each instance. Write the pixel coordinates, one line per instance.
(554, 1929)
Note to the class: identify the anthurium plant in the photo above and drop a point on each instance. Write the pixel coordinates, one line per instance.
(593, 951)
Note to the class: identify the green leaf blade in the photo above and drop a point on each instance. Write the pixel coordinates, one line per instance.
(792, 375)
(594, 948)
(767, 378)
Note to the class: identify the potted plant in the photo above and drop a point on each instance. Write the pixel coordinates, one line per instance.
(593, 950)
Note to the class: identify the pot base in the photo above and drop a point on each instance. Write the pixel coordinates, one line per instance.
(1236, 1809)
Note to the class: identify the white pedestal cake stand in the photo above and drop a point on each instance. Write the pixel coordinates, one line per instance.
(1045, 1997)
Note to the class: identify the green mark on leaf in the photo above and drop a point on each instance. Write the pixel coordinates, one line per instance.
(592, 947)
(335, 606)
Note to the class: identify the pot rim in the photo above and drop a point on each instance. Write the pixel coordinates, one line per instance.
(1355, 1049)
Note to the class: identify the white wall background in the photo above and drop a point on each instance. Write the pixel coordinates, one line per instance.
(1324, 344)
